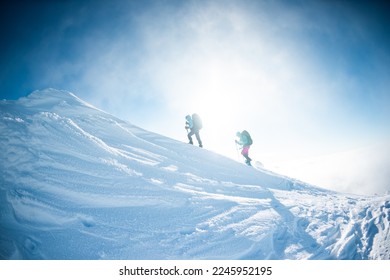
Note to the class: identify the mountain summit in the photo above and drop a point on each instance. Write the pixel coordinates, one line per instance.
(79, 183)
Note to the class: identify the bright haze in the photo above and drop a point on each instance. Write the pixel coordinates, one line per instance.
(308, 79)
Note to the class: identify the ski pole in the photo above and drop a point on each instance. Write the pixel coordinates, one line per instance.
(238, 155)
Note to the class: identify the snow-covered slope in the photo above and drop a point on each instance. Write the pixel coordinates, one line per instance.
(78, 183)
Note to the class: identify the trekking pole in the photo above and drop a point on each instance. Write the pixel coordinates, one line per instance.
(238, 155)
(187, 131)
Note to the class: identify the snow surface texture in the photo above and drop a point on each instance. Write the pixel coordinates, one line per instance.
(78, 183)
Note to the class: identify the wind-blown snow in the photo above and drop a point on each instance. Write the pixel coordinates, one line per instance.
(78, 183)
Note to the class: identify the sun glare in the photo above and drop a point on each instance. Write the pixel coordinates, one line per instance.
(218, 108)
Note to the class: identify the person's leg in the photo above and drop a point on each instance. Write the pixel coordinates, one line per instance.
(198, 138)
(189, 135)
(245, 152)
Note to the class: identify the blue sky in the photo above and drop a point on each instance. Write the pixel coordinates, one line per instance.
(308, 79)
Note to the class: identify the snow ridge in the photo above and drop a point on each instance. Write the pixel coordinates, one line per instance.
(78, 183)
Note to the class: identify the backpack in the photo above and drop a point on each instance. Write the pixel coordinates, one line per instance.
(197, 121)
(246, 133)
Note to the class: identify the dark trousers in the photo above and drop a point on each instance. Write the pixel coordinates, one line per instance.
(196, 132)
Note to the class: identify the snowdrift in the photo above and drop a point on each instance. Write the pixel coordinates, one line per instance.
(78, 183)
